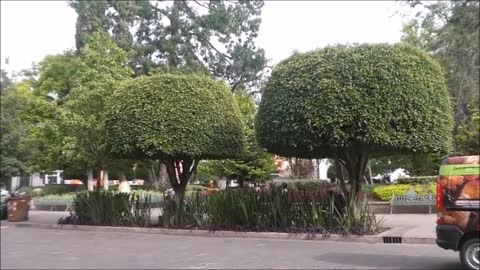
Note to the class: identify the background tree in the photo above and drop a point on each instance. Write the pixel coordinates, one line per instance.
(15, 101)
(449, 30)
(179, 119)
(354, 102)
(5, 80)
(56, 78)
(102, 67)
(213, 36)
(254, 164)
(468, 135)
(415, 164)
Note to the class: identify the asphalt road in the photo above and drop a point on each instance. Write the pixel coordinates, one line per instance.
(55, 249)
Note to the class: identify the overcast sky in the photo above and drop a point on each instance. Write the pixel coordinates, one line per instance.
(32, 29)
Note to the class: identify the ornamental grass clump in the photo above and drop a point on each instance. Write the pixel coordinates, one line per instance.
(110, 209)
(276, 209)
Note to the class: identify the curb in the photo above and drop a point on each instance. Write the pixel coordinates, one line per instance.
(371, 239)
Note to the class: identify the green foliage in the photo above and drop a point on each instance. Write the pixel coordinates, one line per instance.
(67, 198)
(15, 102)
(385, 192)
(172, 117)
(102, 67)
(5, 80)
(44, 139)
(55, 199)
(29, 191)
(57, 76)
(110, 208)
(209, 170)
(417, 180)
(468, 134)
(61, 189)
(415, 164)
(450, 31)
(217, 37)
(380, 97)
(51, 190)
(276, 209)
(253, 164)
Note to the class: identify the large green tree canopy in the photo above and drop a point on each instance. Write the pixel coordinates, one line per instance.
(217, 37)
(352, 101)
(450, 30)
(177, 118)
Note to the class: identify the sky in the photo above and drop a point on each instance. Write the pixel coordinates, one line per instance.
(32, 29)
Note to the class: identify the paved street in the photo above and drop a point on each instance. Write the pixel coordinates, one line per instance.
(48, 249)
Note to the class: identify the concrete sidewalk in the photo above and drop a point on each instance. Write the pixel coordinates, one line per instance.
(413, 228)
(410, 225)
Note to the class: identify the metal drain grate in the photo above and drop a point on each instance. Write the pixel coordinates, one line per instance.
(392, 240)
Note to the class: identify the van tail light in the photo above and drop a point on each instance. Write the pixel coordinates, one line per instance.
(439, 204)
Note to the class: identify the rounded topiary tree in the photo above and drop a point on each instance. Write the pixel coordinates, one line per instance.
(353, 102)
(178, 119)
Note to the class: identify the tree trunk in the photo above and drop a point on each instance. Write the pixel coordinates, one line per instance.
(179, 173)
(163, 175)
(241, 182)
(100, 179)
(105, 180)
(227, 183)
(369, 166)
(341, 179)
(158, 174)
(124, 186)
(90, 179)
(355, 159)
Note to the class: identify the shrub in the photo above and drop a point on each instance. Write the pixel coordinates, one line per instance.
(62, 189)
(65, 198)
(417, 180)
(51, 190)
(385, 192)
(110, 208)
(31, 191)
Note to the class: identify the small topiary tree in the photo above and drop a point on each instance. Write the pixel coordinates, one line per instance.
(354, 102)
(179, 119)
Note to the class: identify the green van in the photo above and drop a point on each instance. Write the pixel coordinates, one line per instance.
(458, 208)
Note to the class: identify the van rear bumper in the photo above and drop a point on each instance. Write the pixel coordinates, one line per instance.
(448, 236)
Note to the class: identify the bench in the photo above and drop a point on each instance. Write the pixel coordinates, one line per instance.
(412, 198)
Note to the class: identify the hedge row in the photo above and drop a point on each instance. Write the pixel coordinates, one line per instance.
(385, 192)
(417, 180)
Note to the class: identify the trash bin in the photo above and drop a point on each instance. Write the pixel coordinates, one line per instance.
(18, 207)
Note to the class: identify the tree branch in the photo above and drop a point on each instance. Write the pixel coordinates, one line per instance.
(234, 87)
(219, 52)
(162, 11)
(198, 3)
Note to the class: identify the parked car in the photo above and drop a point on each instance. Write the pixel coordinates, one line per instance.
(458, 208)
(4, 195)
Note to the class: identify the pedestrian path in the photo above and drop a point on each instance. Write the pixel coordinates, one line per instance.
(400, 225)
(411, 225)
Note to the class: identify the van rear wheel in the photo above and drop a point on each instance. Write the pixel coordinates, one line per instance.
(470, 254)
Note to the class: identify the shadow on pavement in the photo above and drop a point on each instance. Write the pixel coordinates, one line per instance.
(391, 261)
